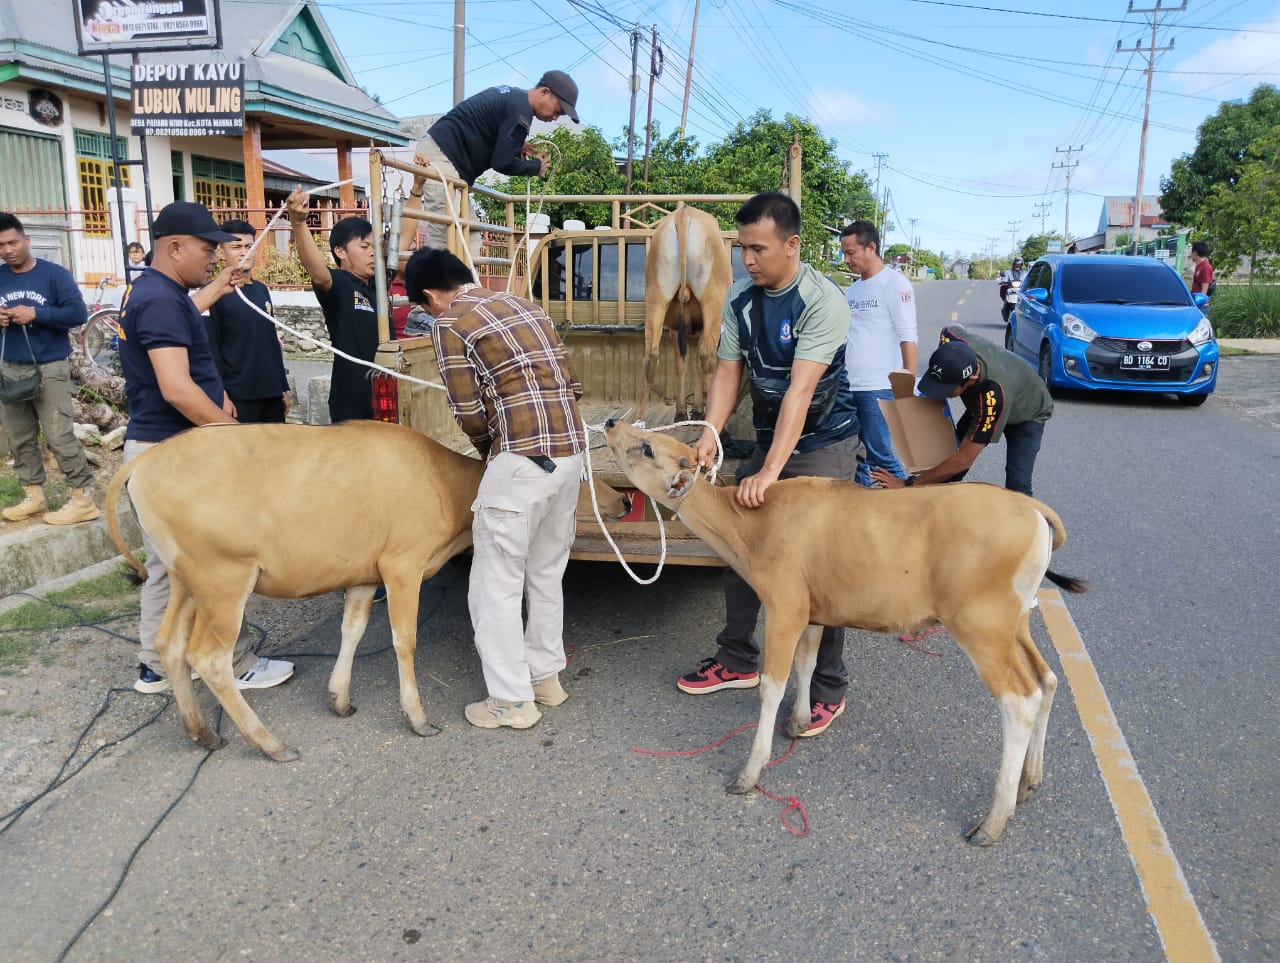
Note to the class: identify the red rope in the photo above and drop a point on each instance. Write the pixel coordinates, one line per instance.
(793, 802)
(908, 639)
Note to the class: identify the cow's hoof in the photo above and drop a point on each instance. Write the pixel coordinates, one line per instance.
(798, 727)
(1026, 790)
(339, 709)
(980, 837)
(740, 786)
(426, 727)
(285, 754)
(210, 740)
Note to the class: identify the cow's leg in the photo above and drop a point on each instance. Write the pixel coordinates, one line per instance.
(712, 300)
(1033, 768)
(655, 313)
(992, 645)
(220, 611)
(356, 605)
(172, 639)
(781, 634)
(402, 609)
(682, 363)
(806, 662)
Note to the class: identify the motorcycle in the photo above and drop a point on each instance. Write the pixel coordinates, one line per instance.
(1009, 298)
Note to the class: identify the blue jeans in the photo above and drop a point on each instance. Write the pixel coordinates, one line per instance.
(875, 437)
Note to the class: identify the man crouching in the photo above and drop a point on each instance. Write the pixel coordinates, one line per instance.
(513, 392)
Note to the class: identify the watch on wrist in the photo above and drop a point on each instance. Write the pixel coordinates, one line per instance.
(910, 481)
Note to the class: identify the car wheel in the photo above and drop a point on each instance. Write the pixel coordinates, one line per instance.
(1046, 369)
(1192, 401)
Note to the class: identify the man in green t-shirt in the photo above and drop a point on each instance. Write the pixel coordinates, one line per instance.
(1002, 396)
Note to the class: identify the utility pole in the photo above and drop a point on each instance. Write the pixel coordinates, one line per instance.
(459, 48)
(1068, 165)
(656, 60)
(688, 77)
(912, 239)
(1013, 235)
(991, 255)
(635, 89)
(1150, 54)
(1042, 212)
(880, 159)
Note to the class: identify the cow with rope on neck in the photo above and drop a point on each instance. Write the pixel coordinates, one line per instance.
(823, 551)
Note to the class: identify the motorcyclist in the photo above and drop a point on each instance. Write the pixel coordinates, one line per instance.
(1017, 272)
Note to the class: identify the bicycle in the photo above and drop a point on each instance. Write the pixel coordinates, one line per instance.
(99, 338)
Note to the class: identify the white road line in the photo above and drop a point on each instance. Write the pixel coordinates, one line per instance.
(1182, 930)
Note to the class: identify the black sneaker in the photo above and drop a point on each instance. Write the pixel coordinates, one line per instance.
(150, 682)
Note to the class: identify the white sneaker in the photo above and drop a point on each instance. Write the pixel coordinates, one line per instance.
(264, 674)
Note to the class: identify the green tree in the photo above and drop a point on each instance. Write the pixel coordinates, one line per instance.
(752, 159)
(1222, 144)
(1038, 244)
(1243, 219)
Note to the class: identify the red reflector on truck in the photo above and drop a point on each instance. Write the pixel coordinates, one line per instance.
(386, 401)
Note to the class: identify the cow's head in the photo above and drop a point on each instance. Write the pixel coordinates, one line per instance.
(657, 464)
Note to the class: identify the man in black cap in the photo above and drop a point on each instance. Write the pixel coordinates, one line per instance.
(172, 384)
(1002, 396)
(489, 130)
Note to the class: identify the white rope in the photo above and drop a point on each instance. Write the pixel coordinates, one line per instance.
(248, 255)
(528, 201)
(662, 529)
(332, 350)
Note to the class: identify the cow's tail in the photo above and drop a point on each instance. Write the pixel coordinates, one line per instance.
(1065, 582)
(118, 481)
(682, 295)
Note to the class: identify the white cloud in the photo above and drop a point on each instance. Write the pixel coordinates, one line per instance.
(1250, 50)
(828, 105)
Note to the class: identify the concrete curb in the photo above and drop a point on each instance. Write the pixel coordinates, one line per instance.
(35, 553)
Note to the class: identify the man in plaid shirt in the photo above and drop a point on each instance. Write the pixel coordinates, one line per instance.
(513, 392)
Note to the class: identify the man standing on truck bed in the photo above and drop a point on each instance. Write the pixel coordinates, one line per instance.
(513, 392)
(347, 299)
(489, 130)
(786, 326)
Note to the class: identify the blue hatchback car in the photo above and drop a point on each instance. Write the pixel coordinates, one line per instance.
(1115, 323)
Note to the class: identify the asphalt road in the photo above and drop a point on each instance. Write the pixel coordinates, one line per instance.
(562, 842)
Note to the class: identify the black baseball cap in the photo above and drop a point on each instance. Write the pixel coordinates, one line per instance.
(949, 367)
(566, 91)
(188, 217)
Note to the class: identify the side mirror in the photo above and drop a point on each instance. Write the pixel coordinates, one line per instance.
(1199, 299)
(1037, 294)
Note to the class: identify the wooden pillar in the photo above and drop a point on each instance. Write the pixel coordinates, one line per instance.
(254, 190)
(347, 192)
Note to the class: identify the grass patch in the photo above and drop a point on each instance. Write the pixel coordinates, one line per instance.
(24, 630)
(1246, 311)
(10, 491)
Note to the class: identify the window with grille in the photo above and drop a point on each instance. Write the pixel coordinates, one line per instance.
(97, 176)
(218, 183)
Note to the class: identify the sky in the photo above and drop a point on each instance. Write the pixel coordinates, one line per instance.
(973, 103)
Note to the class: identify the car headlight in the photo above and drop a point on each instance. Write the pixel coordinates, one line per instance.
(1203, 333)
(1073, 327)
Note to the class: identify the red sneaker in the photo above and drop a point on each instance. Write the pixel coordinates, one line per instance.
(821, 717)
(711, 676)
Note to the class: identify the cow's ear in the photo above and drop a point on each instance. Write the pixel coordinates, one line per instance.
(680, 484)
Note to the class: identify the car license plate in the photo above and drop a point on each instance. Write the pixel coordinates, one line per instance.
(1144, 362)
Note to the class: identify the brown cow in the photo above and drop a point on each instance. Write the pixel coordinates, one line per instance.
(290, 511)
(687, 274)
(824, 551)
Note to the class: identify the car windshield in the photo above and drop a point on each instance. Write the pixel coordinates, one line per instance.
(1135, 283)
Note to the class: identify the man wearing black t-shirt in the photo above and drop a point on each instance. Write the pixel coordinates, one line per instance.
(172, 384)
(347, 299)
(489, 130)
(244, 343)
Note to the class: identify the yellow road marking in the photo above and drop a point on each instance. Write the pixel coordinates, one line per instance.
(960, 302)
(1169, 901)
(955, 316)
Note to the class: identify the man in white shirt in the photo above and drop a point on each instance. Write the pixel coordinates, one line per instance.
(882, 338)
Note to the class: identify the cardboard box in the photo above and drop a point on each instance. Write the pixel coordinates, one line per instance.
(922, 431)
